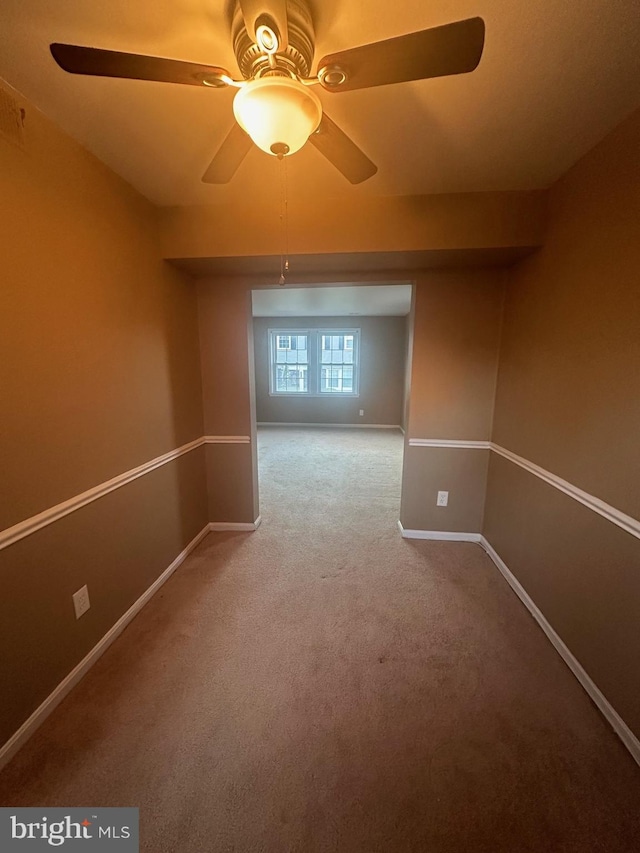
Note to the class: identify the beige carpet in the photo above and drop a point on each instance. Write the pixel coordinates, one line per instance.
(323, 685)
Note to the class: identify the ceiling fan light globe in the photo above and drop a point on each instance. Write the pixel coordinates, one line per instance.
(277, 111)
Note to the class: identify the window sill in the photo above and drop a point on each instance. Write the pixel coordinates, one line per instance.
(341, 395)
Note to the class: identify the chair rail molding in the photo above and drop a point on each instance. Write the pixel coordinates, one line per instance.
(48, 516)
(615, 516)
(449, 442)
(611, 513)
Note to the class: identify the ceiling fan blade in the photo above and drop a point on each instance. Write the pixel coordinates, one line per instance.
(276, 10)
(135, 66)
(451, 49)
(342, 151)
(228, 157)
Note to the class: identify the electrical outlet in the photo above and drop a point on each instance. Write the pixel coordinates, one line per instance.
(361, 413)
(81, 601)
(443, 499)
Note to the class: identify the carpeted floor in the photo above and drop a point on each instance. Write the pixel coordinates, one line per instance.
(323, 685)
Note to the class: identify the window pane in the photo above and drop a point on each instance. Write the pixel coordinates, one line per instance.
(295, 356)
(291, 379)
(302, 349)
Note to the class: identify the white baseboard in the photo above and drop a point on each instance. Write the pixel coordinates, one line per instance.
(16, 741)
(439, 535)
(329, 426)
(218, 526)
(611, 715)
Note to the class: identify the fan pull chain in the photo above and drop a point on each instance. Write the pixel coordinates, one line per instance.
(284, 221)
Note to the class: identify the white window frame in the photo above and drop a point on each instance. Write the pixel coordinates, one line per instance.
(314, 361)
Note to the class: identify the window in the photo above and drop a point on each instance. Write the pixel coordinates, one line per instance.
(336, 371)
(315, 362)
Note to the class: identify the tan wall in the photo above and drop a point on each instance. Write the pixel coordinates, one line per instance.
(461, 472)
(453, 375)
(455, 354)
(438, 223)
(408, 354)
(227, 382)
(382, 368)
(99, 371)
(568, 400)
(455, 348)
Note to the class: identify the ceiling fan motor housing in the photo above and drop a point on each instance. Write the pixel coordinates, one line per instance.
(297, 57)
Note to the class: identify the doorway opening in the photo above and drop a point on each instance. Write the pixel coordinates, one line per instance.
(331, 376)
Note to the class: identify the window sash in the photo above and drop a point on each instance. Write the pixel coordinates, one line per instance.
(339, 362)
(292, 378)
(337, 379)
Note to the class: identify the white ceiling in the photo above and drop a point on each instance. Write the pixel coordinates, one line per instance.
(556, 76)
(390, 300)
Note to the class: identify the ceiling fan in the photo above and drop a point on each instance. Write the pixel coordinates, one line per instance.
(275, 105)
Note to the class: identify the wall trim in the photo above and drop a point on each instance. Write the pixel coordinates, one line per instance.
(608, 711)
(328, 426)
(218, 526)
(621, 519)
(449, 442)
(27, 729)
(625, 522)
(439, 535)
(48, 516)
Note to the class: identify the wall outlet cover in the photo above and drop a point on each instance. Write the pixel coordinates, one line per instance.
(443, 499)
(81, 601)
